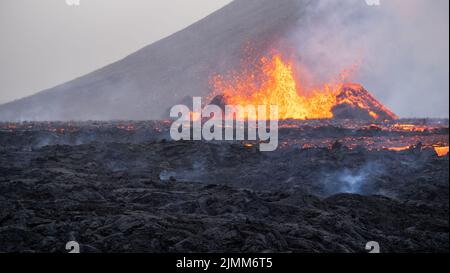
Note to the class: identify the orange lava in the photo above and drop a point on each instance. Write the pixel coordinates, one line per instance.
(274, 83)
(441, 151)
(410, 127)
(399, 149)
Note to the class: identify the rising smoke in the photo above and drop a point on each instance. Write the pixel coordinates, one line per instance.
(355, 181)
(399, 50)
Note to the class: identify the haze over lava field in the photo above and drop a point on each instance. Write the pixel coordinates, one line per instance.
(125, 187)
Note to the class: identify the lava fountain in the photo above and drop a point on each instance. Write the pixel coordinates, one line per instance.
(273, 81)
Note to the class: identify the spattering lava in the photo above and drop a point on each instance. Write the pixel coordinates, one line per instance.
(273, 81)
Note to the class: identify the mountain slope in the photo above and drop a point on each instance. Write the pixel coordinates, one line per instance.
(146, 84)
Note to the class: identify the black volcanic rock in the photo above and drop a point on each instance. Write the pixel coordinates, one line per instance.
(219, 100)
(111, 195)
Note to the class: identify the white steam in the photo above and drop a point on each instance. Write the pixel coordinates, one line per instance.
(355, 181)
(401, 49)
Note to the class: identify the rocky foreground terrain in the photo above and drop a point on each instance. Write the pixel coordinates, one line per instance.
(121, 190)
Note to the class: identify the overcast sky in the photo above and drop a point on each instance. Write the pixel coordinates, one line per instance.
(46, 42)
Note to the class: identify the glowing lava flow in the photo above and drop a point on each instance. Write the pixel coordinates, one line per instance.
(275, 84)
(441, 151)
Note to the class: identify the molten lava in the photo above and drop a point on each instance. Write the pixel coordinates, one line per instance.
(273, 82)
(441, 151)
(277, 86)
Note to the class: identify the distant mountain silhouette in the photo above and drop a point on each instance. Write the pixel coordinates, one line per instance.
(147, 83)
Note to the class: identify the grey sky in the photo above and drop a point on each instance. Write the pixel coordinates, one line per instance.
(46, 42)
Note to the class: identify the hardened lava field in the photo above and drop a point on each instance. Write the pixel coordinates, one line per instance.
(332, 186)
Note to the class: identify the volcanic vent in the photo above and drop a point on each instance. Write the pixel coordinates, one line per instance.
(355, 102)
(273, 81)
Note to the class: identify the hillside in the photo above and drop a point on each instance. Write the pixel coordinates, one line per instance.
(147, 83)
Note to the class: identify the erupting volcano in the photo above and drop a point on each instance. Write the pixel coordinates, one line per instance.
(274, 82)
(125, 159)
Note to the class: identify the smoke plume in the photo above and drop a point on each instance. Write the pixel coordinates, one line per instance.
(399, 50)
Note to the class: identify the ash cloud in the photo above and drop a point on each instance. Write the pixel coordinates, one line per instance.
(400, 50)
